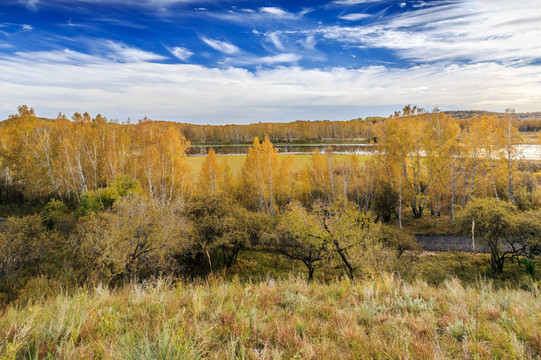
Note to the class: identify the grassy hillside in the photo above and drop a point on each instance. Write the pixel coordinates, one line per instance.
(285, 319)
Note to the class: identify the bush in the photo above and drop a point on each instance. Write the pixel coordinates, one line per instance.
(53, 213)
(529, 266)
(136, 238)
(25, 244)
(223, 228)
(398, 239)
(98, 200)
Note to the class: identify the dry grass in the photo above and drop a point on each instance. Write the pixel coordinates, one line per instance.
(218, 319)
(529, 137)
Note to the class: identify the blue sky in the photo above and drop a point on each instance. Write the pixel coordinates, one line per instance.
(220, 61)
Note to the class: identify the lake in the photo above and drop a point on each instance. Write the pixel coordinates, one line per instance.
(527, 151)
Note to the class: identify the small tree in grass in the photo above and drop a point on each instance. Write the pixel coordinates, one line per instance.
(136, 238)
(338, 233)
(496, 225)
(298, 237)
(221, 226)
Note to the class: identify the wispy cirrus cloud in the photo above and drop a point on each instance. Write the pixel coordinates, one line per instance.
(221, 46)
(124, 53)
(353, 2)
(450, 31)
(30, 4)
(274, 37)
(56, 57)
(258, 16)
(274, 11)
(354, 16)
(180, 52)
(285, 58)
(35, 4)
(105, 51)
(235, 56)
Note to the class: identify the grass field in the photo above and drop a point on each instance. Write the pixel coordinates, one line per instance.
(384, 318)
(236, 162)
(529, 137)
(432, 267)
(263, 308)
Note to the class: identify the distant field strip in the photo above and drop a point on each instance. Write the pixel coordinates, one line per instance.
(236, 162)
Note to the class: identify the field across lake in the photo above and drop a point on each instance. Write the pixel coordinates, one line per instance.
(235, 162)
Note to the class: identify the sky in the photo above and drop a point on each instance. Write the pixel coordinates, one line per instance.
(225, 61)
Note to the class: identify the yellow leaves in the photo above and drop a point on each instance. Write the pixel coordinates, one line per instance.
(262, 177)
(211, 171)
(65, 158)
(163, 167)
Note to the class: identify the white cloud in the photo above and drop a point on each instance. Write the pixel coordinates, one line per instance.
(56, 57)
(180, 53)
(276, 12)
(27, 27)
(263, 14)
(30, 4)
(468, 30)
(263, 60)
(353, 2)
(221, 46)
(123, 53)
(111, 52)
(274, 38)
(420, 4)
(68, 81)
(156, 5)
(310, 42)
(354, 16)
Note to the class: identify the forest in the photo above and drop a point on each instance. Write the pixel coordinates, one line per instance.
(87, 203)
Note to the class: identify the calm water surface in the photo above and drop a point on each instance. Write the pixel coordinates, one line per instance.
(527, 152)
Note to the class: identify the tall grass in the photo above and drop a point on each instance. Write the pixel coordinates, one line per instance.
(385, 318)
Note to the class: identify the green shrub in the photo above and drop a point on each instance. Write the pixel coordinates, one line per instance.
(529, 266)
(98, 200)
(53, 213)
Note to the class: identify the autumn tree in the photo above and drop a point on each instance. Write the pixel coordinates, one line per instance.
(25, 245)
(441, 150)
(314, 179)
(299, 237)
(494, 223)
(261, 175)
(214, 178)
(483, 148)
(400, 150)
(163, 168)
(219, 225)
(511, 139)
(347, 231)
(135, 238)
